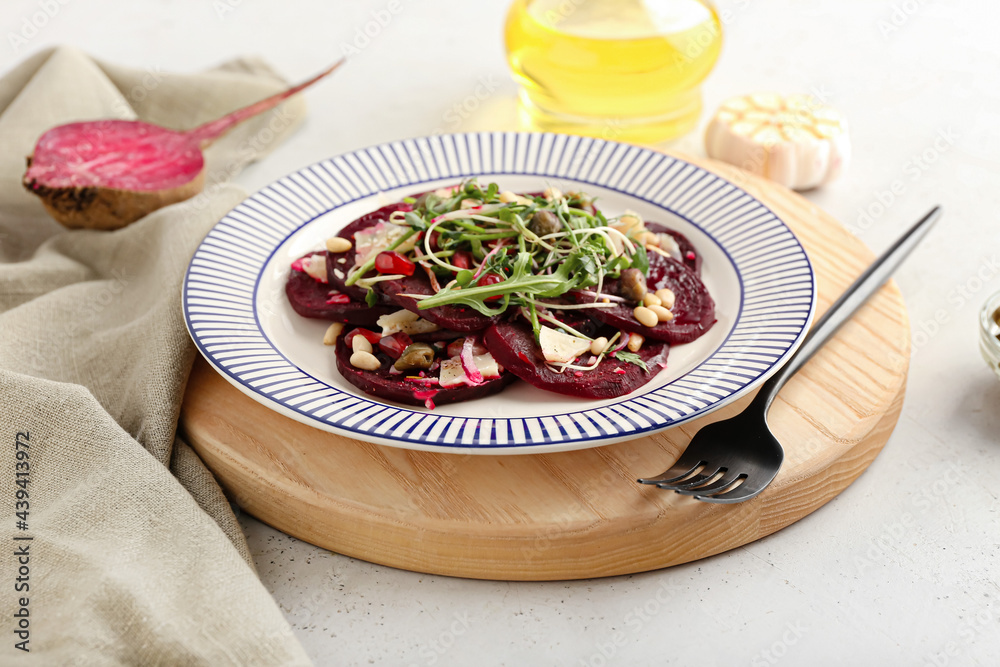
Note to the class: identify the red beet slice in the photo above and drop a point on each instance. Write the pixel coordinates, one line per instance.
(106, 174)
(394, 387)
(513, 345)
(309, 299)
(456, 318)
(694, 309)
(690, 257)
(364, 222)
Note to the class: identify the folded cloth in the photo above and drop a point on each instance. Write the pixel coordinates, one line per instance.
(130, 552)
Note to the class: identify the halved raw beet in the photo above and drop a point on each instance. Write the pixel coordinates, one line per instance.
(457, 318)
(105, 174)
(394, 387)
(364, 222)
(309, 299)
(513, 345)
(690, 257)
(694, 309)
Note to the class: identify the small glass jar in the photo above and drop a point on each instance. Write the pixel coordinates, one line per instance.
(989, 332)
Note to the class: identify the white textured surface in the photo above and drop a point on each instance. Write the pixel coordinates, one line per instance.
(901, 568)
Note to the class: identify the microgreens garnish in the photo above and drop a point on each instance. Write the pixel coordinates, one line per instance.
(492, 250)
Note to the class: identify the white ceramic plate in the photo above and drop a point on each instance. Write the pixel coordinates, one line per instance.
(754, 267)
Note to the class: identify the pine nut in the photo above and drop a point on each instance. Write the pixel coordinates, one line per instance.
(662, 314)
(598, 344)
(360, 344)
(366, 361)
(645, 316)
(635, 341)
(666, 297)
(332, 332)
(337, 244)
(651, 300)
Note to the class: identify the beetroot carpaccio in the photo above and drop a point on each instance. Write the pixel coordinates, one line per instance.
(451, 295)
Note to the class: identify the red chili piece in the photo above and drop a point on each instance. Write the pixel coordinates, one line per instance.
(336, 297)
(394, 262)
(490, 279)
(372, 336)
(395, 344)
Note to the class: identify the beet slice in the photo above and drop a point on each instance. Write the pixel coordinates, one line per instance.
(309, 299)
(690, 257)
(457, 318)
(394, 387)
(339, 282)
(106, 174)
(513, 345)
(694, 309)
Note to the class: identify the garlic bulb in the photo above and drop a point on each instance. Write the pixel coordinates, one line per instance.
(791, 139)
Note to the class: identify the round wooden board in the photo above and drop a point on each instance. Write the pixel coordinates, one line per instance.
(577, 514)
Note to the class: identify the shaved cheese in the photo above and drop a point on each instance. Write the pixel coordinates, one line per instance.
(452, 374)
(403, 321)
(373, 240)
(669, 244)
(560, 348)
(315, 266)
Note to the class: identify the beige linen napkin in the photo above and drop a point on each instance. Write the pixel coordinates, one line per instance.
(134, 554)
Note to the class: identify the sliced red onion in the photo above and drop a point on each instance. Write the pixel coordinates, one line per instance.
(609, 297)
(622, 341)
(472, 373)
(479, 271)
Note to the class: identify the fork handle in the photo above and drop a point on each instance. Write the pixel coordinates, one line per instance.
(849, 302)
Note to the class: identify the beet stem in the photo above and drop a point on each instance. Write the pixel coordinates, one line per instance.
(205, 134)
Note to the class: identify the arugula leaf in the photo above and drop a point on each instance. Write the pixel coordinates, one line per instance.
(640, 260)
(631, 358)
(614, 267)
(371, 298)
(568, 276)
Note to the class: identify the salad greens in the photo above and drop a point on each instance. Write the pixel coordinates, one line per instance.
(490, 250)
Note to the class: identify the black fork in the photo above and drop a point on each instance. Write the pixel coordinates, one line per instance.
(735, 459)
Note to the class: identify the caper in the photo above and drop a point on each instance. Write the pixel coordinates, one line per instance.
(544, 222)
(416, 355)
(633, 284)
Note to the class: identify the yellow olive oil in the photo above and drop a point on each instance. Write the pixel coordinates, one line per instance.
(617, 69)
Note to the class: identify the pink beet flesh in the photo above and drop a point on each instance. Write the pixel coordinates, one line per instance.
(132, 155)
(117, 154)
